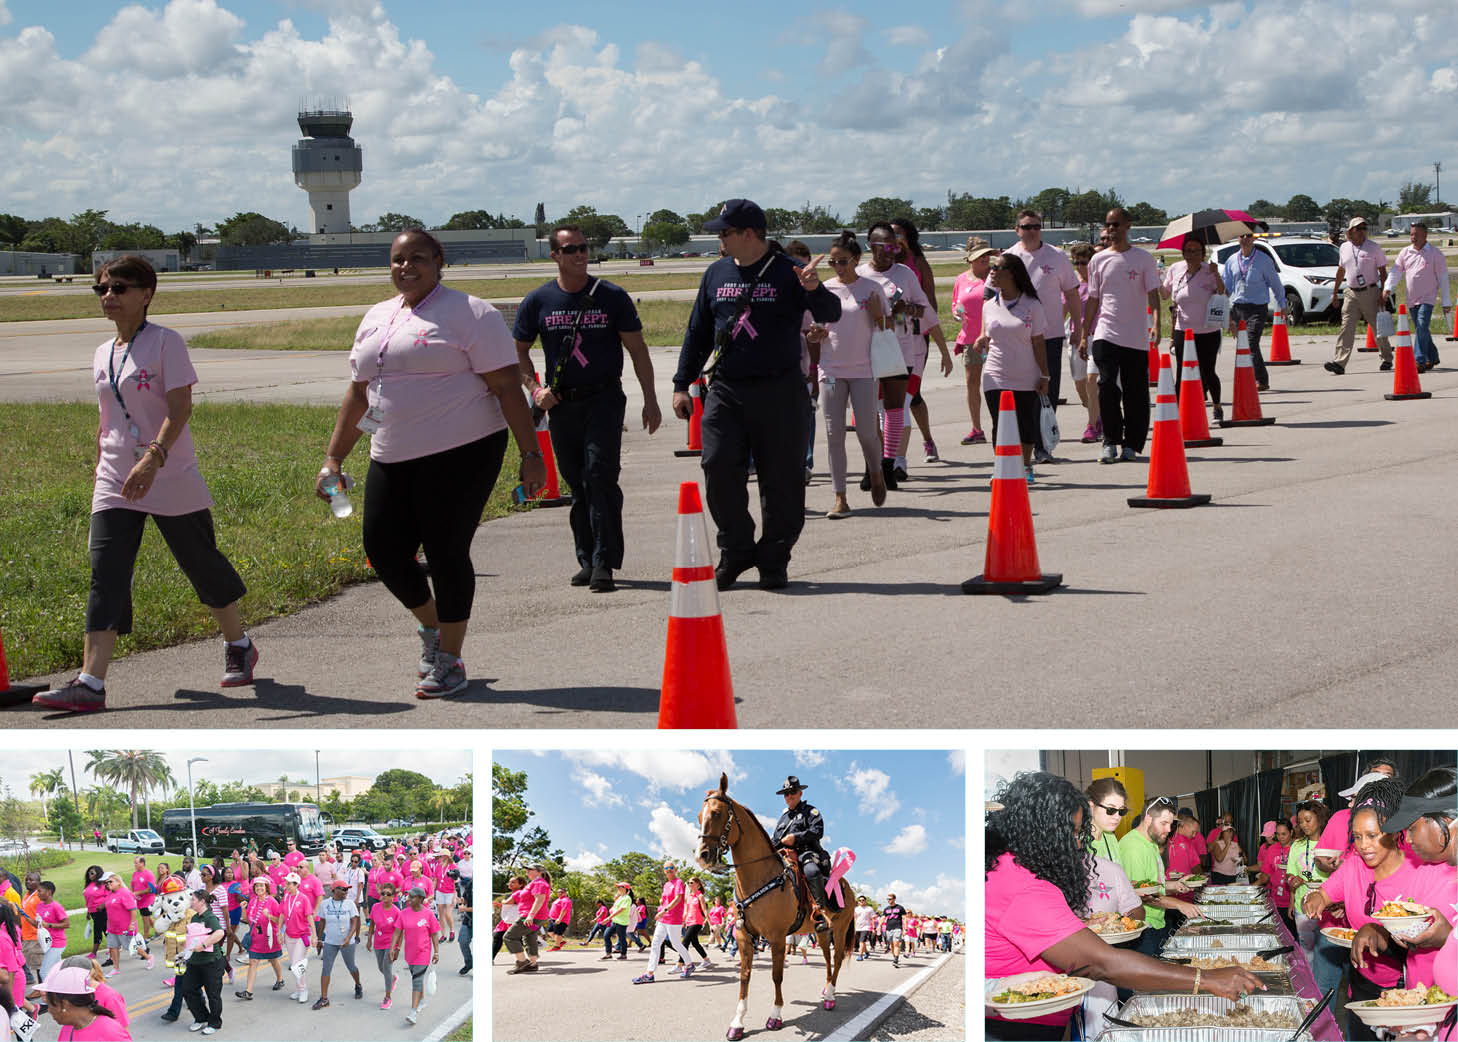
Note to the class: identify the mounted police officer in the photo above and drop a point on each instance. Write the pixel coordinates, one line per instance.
(801, 828)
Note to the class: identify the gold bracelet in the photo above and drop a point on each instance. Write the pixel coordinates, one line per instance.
(1197, 982)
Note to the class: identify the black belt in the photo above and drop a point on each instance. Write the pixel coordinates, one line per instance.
(577, 394)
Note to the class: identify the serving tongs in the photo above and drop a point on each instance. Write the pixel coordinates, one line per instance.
(1264, 953)
(1315, 1012)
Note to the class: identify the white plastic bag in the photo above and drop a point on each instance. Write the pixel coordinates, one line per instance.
(1385, 326)
(430, 981)
(886, 357)
(1217, 311)
(43, 937)
(1049, 420)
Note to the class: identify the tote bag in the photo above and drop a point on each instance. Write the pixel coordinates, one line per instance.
(886, 357)
(1217, 311)
(1048, 418)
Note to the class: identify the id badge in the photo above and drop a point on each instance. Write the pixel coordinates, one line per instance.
(371, 421)
(138, 450)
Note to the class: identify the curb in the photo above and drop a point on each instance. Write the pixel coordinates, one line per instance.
(452, 1022)
(864, 1023)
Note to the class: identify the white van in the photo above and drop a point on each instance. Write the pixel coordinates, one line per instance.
(1307, 268)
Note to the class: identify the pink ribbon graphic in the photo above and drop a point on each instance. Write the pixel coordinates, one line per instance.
(577, 351)
(144, 381)
(745, 326)
(840, 863)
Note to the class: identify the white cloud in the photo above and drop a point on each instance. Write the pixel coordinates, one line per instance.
(960, 842)
(947, 896)
(907, 36)
(599, 791)
(910, 840)
(768, 822)
(673, 837)
(1445, 80)
(662, 769)
(809, 758)
(874, 789)
(585, 861)
(957, 759)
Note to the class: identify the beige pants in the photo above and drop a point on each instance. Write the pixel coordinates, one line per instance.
(1361, 303)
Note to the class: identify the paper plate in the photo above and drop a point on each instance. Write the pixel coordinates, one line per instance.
(1155, 889)
(1377, 1016)
(1329, 932)
(1039, 1008)
(1406, 926)
(1122, 935)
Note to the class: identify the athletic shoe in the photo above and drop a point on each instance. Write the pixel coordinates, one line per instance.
(646, 978)
(278, 985)
(931, 452)
(1129, 455)
(198, 1025)
(888, 474)
(412, 1017)
(900, 469)
(976, 437)
(386, 1004)
(72, 697)
(686, 972)
(320, 1003)
(429, 645)
(302, 995)
(209, 1030)
(1110, 454)
(1039, 456)
(1217, 414)
(1335, 368)
(359, 991)
(809, 473)
(1030, 476)
(1088, 435)
(896, 961)
(452, 937)
(1385, 367)
(151, 962)
(582, 578)
(238, 664)
(866, 482)
(602, 582)
(443, 680)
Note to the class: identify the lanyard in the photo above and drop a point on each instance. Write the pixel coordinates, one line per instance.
(569, 345)
(390, 330)
(112, 369)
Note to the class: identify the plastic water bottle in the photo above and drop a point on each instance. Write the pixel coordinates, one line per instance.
(334, 488)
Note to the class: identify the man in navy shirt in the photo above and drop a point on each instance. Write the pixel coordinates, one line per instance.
(746, 327)
(585, 324)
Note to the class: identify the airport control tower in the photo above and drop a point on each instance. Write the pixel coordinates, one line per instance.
(327, 164)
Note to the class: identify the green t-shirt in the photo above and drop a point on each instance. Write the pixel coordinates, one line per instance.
(200, 957)
(1107, 847)
(1302, 862)
(620, 910)
(1140, 858)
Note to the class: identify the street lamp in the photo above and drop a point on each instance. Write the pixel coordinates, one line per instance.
(191, 810)
(318, 791)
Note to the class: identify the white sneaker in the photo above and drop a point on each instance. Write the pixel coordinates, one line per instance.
(209, 1030)
(302, 995)
(198, 1025)
(412, 1017)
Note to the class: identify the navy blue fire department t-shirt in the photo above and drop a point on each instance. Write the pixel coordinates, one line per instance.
(595, 354)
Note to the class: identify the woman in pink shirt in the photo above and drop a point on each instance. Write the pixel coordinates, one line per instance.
(95, 896)
(434, 379)
(52, 915)
(384, 921)
(12, 961)
(669, 925)
(298, 932)
(716, 922)
(119, 904)
(265, 936)
(71, 999)
(1225, 857)
(967, 309)
(418, 937)
(559, 919)
(508, 912)
(845, 369)
(1012, 340)
(696, 913)
(144, 379)
(445, 891)
(1189, 284)
(1272, 864)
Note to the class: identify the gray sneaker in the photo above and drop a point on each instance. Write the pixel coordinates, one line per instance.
(72, 697)
(429, 645)
(1129, 454)
(1110, 454)
(443, 679)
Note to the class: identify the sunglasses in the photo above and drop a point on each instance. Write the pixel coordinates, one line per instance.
(1030, 227)
(1117, 812)
(997, 267)
(884, 247)
(116, 288)
(843, 260)
(572, 247)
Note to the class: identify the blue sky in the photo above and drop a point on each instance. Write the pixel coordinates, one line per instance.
(902, 812)
(181, 111)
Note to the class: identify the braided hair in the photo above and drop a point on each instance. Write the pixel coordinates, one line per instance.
(1381, 797)
(1035, 826)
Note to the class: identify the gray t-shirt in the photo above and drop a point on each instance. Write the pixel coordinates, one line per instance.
(336, 916)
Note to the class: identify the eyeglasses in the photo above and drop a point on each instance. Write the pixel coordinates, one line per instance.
(843, 260)
(1117, 812)
(1030, 227)
(572, 247)
(884, 247)
(116, 288)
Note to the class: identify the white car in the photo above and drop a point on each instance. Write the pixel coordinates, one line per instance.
(1307, 268)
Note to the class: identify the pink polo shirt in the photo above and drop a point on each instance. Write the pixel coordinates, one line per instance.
(157, 362)
(144, 885)
(1053, 275)
(967, 292)
(1361, 263)
(120, 904)
(674, 888)
(428, 387)
(1184, 855)
(1025, 917)
(1433, 885)
(1122, 283)
(1426, 272)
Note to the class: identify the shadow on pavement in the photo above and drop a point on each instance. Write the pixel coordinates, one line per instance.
(1337, 424)
(567, 699)
(1101, 593)
(275, 701)
(805, 587)
(1240, 459)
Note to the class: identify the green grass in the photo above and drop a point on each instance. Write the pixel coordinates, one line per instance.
(462, 1033)
(259, 462)
(664, 322)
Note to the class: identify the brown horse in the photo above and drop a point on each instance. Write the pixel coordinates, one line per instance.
(765, 887)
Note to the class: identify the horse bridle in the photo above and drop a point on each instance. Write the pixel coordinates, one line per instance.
(721, 845)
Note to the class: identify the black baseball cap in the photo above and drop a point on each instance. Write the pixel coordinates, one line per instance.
(737, 213)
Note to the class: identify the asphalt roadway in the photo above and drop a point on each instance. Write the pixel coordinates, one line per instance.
(577, 997)
(1319, 574)
(273, 1017)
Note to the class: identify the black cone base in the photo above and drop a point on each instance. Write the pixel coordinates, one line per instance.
(560, 501)
(1170, 504)
(1407, 397)
(1289, 361)
(1370, 350)
(980, 584)
(688, 452)
(1264, 421)
(19, 694)
(1202, 443)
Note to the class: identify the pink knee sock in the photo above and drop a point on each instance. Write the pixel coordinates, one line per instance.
(895, 422)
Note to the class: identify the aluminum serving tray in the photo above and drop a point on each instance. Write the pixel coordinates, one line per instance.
(1283, 966)
(1225, 890)
(1153, 1005)
(1118, 1034)
(1206, 943)
(1194, 928)
(1230, 911)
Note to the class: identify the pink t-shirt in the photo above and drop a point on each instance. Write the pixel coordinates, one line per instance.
(101, 1029)
(444, 884)
(561, 910)
(967, 294)
(1338, 832)
(310, 887)
(386, 918)
(384, 875)
(419, 928)
(1445, 974)
(1361, 263)
(95, 894)
(1431, 885)
(1011, 363)
(109, 997)
(156, 363)
(120, 904)
(1110, 889)
(262, 915)
(54, 916)
(1122, 283)
(1053, 276)
(298, 913)
(1272, 861)
(1227, 865)
(602, 916)
(716, 915)
(1184, 856)
(846, 352)
(1191, 295)
(538, 898)
(144, 885)
(430, 397)
(693, 915)
(674, 888)
(1025, 917)
(424, 882)
(913, 347)
(327, 871)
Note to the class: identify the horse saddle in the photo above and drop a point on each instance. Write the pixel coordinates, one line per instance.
(804, 901)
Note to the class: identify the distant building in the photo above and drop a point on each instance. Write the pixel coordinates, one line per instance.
(347, 787)
(17, 262)
(372, 250)
(1403, 222)
(328, 165)
(161, 260)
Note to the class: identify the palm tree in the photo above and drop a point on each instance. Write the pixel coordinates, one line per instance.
(45, 784)
(136, 770)
(440, 799)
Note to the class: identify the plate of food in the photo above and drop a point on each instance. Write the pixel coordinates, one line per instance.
(1404, 918)
(1404, 1007)
(1148, 886)
(1341, 935)
(1115, 928)
(1035, 994)
(1194, 881)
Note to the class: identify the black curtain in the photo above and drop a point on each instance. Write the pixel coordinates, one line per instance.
(1412, 764)
(1269, 785)
(1240, 800)
(1207, 809)
(1337, 773)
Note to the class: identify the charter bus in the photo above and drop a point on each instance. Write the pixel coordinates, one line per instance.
(225, 827)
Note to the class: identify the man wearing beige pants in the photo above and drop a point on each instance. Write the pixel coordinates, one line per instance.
(1363, 266)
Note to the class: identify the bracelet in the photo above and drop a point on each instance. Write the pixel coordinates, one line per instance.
(534, 454)
(160, 451)
(336, 459)
(1197, 982)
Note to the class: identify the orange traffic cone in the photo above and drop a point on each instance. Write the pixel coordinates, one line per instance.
(1169, 477)
(17, 694)
(1246, 401)
(1405, 383)
(697, 689)
(1371, 344)
(1281, 343)
(1193, 425)
(1153, 322)
(551, 494)
(1011, 566)
(695, 423)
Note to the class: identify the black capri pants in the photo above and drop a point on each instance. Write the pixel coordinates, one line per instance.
(116, 536)
(1029, 412)
(1207, 350)
(434, 502)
